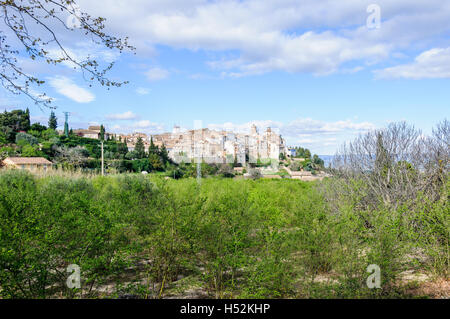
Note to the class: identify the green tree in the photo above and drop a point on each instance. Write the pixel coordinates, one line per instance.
(302, 152)
(26, 120)
(296, 166)
(49, 134)
(48, 147)
(31, 151)
(318, 161)
(7, 151)
(122, 148)
(26, 138)
(139, 148)
(153, 149)
(155, 162)
(102, 132)
(52, 121)
(163, 154)
(38, 127)
(307, 153)
(13, 122)
(3, 140)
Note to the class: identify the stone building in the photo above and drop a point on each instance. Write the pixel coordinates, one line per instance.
(213, 146)
(87, 133)
(131, 139)
(91, 132)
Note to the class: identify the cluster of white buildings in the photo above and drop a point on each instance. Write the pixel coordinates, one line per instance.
(212, 146)
(206, 145)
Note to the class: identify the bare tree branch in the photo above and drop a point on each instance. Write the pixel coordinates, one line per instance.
(392, 167)
(36, 42)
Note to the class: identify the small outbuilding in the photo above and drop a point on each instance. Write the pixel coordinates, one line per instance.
(28, 163)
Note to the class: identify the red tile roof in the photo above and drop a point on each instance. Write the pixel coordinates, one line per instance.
(28, 160)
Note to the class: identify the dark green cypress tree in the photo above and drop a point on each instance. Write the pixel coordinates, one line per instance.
(26, 123)
(139, 148)
(52, 121)
(102, 132)
(153, 149)
(164, 154)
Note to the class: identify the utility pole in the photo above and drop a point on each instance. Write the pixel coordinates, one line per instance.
(66, 124)
(103, 165)
(198, 136)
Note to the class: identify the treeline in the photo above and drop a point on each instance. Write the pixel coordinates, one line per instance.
(20, 138)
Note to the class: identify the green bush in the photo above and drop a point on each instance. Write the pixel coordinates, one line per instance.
(234, 238)
(24, 138)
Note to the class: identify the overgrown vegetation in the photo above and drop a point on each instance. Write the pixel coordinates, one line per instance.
(236, 238)
(146, 236)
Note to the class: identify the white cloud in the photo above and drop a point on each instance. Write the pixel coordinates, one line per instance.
(156, 74)
(318, 37)
(65, 86)
(142, 91)
(41, 96)
(148, 126)
(144, 126)
(434, 63)
(322, 137)
(305, 141)
(299, 127)
(246, 127)
(80, 51)
(122, 116)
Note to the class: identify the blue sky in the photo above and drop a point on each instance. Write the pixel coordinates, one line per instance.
(312, 70)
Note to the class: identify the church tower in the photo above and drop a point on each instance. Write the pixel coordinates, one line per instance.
(254, 130)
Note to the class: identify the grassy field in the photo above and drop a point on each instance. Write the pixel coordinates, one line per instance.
(147, 237)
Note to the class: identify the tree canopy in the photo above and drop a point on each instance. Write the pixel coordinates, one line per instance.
(52, 121)
(139, 148)
(13, 122)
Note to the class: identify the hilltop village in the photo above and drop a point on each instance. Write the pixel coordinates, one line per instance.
(230, 154)
(207, 145)
(266, 150)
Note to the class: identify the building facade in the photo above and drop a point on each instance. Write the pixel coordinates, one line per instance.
(27, 163)
(91, 132)
(206, 145)
(213, 146)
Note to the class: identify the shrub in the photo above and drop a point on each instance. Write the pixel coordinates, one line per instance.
(296, 166)
(255, 173)
(22, 138)
(226, 170)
